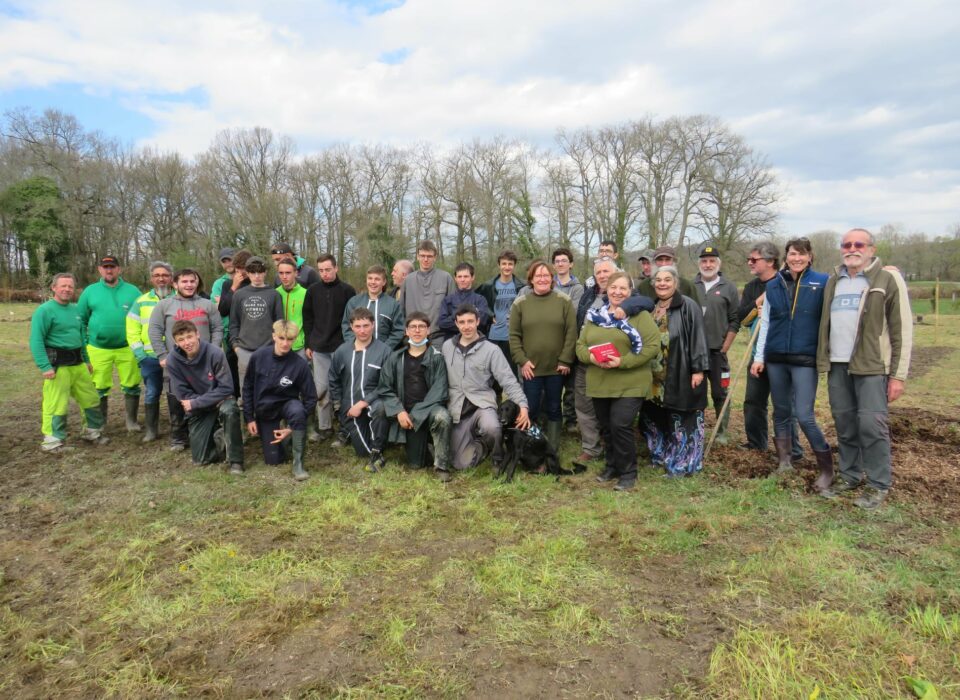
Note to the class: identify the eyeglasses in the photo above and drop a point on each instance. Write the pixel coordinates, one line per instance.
(849, 245)
(754, 261)
(418, 326)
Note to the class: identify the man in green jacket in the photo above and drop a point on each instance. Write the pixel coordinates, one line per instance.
(103, 309)
(413, 397)
(59, 350)
(866, 337)
(292, 294)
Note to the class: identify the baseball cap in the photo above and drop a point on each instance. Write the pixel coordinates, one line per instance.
(226, 253)
(647, 255)
(107, 260)
(281, 249)
(709, 250)
(668, 250)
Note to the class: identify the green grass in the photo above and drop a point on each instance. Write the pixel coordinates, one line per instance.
(130, 573)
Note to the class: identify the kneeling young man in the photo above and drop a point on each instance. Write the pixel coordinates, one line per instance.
(279, 388)
(473, 363)
(413, 397)
(200, 379)
(354, 379)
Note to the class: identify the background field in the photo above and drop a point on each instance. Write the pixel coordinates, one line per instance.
(128, 572)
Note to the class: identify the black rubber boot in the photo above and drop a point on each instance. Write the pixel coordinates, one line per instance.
(131, 405)
(179, 432)
(151, 421)
(298, 445)
(104, 405)
(783, 455)
(554, 428)
(825, 462)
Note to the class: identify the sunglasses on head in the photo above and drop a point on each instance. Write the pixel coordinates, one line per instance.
(849, 245)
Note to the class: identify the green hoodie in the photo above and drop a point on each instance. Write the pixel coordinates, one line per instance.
(103, 313)
(293, 310)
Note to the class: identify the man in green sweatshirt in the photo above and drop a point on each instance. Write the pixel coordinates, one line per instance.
(57, 344)
(103, 309)
(292, 294)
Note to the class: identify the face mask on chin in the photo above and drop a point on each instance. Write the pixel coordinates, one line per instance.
(418, 345)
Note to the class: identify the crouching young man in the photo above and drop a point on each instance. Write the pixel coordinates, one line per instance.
(353, 381)
(413, 398)
(200, 380)
(473, 364)
(279, 388)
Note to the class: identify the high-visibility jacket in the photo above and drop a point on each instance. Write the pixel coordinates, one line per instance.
(138, 320)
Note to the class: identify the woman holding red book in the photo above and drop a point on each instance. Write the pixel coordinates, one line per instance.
(618, 353)
(672, 419)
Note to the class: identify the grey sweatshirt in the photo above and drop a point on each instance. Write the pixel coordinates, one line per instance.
(253, 312)
(202, 312)
(424, 291)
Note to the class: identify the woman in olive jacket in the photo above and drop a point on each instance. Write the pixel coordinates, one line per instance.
(618, 385)
(672, 419)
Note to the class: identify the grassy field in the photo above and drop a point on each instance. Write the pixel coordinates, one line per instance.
(127, 572)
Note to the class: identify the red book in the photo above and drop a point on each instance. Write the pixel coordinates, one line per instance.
(604, 351)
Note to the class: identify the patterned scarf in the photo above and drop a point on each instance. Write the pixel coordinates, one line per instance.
(603, 318)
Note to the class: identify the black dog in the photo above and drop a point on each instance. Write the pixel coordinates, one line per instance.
(528, 448)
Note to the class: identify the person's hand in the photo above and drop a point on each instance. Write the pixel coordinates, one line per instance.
(163, 362)
(611, 363)
(563, 369)
(756, 369)
(894, 389)
(696, 379)
(50, 374)
(252, 428)
(760, 300)
(523, 419)
(526, 370)
(187, 406)
(403, 418)
(279, 434)
(618, 313)
(310, 354)
(356, 409)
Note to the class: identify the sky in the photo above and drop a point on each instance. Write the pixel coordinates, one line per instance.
(855, 105)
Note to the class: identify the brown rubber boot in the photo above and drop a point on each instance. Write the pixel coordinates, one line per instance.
(825, 462)
(783, 454)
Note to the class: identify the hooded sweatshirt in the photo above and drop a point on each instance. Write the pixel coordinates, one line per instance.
(202, 312)
(205, 380)
(273, 380)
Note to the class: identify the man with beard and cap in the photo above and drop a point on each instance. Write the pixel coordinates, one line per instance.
(306, 275)
(646, 266)
(185, 305)
(663, 256)
(103, 309)
(138, 337)
(721, 323)
(865, 341)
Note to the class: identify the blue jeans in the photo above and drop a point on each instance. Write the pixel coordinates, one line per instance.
(551, 387)
(152, 374)
(794, 390)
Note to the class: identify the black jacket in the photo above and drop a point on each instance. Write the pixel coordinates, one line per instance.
(686, 355)
(272, 381)
(323, 308)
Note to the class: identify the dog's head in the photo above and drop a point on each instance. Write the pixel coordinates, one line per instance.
(507, 413)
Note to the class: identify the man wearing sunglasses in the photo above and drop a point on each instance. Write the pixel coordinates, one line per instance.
(866, 336)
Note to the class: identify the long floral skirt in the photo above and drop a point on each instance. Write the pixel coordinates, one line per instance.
(675, 438)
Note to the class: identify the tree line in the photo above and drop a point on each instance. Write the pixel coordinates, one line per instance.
(68, 194)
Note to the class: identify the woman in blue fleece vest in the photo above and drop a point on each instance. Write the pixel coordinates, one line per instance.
(787, 349)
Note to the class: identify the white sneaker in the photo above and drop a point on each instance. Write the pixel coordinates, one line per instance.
(51, 443)
(94, 436)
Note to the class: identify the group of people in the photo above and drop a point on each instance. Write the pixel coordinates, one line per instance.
(426, 363)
